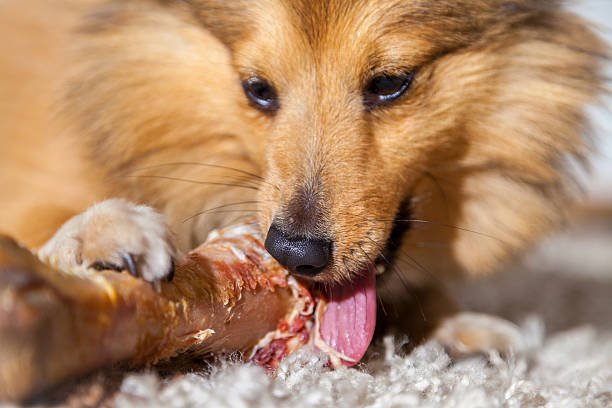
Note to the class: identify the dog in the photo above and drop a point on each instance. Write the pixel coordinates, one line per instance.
(418, 140)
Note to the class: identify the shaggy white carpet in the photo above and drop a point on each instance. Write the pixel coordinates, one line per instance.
(572, 369)
(567, 283)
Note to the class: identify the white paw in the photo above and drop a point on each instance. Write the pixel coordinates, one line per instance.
(472, 333)
(114, 234)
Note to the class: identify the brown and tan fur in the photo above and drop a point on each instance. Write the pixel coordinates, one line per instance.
(105, 99)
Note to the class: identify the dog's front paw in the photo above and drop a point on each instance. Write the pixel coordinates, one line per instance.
(466, 334)
(114, 234)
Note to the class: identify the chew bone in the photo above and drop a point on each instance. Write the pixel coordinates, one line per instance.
(229, 295)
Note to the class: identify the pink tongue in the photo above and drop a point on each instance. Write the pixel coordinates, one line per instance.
(349, 319)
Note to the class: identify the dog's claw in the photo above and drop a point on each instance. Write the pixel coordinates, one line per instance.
(129, 264)
(170, 274)
(156, 285)
(105, 266)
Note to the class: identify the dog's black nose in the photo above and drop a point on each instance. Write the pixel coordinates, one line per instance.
(302, 256)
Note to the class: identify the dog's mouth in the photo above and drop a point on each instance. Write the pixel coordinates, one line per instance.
(386, 258)
(346, 319)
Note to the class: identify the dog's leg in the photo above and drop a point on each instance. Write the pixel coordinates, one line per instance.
(114, 234)
(428, 312)
(467, 333)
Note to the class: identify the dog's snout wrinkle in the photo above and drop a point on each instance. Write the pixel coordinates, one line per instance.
(304, 212)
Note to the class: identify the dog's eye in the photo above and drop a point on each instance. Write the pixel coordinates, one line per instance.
(261, 94)
(385, 88)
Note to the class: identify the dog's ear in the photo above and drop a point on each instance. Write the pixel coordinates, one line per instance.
(546, 70)
(140, 72)
(228, 20)
(525, 128)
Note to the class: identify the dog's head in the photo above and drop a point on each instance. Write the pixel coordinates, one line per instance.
(439, 129)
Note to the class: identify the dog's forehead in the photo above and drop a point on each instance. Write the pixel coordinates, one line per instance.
(352, 32)
(319, 19)
(285, 37)
(379, 28)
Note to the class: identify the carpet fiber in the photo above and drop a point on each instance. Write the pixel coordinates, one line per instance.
(571, 369)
